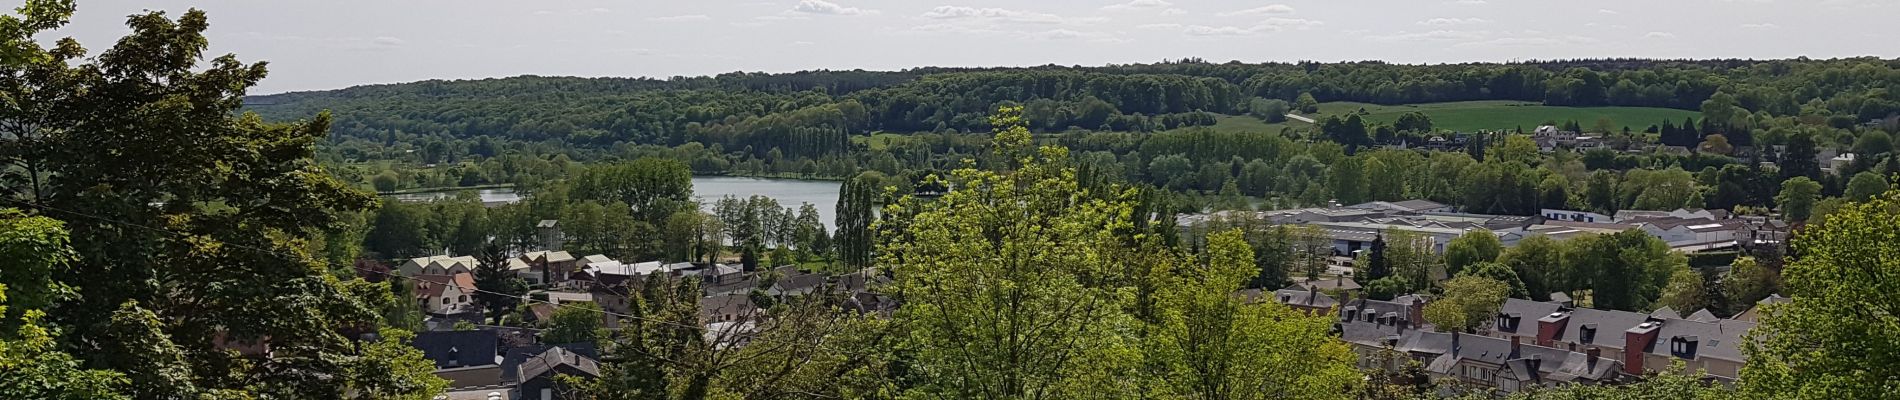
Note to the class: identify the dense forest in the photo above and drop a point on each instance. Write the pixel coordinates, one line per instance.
(1151, 124)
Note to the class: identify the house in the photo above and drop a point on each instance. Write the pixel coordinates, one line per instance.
(726, 308)
(537, 374)
(1503, 364)
(1550, 214)
(1338, 283)
(1512, 366)
(468, 359)
(513, 357)
(545, 267)
(1840, 162)
(446, 294)
(438, 265)
(792, 282)
(1754, 314)
(1306, 299)
(1640, 342)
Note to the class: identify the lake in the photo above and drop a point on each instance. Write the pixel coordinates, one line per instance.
(788, 192)
(706, 189)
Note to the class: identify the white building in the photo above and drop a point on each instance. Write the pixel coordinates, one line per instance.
(438, 265)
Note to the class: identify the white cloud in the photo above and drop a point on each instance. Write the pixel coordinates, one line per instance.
(802, 43)
(829, 8)
(1173, 11)
(1530, 41)
(1765, 25)
(1275, 9)
(1138, 5)
(1203, 30)
(387, 42)
(954, 28)
(1659, 35)
(1437, 35)
(1159, 26)
(1453, 21)
(680, 18)
(1469, 2)
(1606, 11)
(1293, 23)
(599, 10)
(1270, 25)
(1005, 15)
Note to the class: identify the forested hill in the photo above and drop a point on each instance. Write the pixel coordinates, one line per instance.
(733, 109)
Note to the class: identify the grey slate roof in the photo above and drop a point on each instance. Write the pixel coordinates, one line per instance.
(1608, 326)
(454, 349)
(1702, 315)
(1297, 295)
(511, 362)
(558, 360)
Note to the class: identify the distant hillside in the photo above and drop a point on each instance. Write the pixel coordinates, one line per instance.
(762, 111)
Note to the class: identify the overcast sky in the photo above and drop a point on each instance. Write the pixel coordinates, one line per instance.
(339, 43)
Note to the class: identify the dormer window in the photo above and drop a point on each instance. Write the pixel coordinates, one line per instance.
(1507, 322)
(1587, 334)
(1683, 346)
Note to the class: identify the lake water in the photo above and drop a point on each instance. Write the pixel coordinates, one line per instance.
(707, 189)
(489, 196)
(788, 192)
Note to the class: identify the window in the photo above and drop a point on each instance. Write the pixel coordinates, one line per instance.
(463, 299)
(1587, 334)
(445, 301)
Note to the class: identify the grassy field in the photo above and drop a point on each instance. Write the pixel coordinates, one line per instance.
(1492, 115)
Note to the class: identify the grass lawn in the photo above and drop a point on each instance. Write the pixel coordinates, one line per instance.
(1503, 114)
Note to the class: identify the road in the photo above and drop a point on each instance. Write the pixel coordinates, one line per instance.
(1297, 117)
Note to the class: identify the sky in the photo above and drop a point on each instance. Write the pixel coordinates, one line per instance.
(330, 44)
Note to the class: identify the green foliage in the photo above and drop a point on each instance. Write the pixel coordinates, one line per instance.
(1538, 262)
(1833, 341)
(1211, 344)
(1685, 292)
(1501, 273)
(1471, 248)
(1469, 301)
(1797, 198)
(1748, 282)
(1624, 271)
(31, 365)
(392, 369)
(1306, 104)
(1046, 241)
(857, 200)
(32, 249)
(575, 323)
(1864, 186)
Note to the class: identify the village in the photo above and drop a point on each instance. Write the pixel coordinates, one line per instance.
(1528, 343)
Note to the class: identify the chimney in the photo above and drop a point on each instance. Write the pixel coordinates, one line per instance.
(1536, 365)
(1591, 361)
(1517, 345)
(1636, 344)
(1415, 312)
(1550, 326)
(1454, 342)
